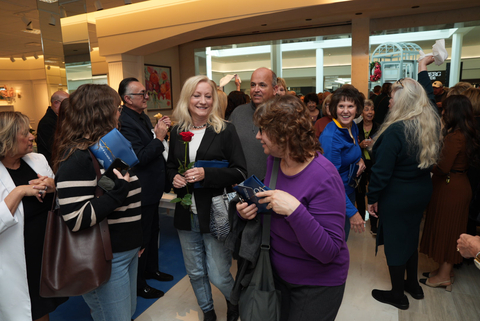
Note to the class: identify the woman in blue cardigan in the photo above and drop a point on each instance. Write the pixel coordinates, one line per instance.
(340, 144)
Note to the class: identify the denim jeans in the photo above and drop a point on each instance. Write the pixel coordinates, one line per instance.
(351, 196)
(206, 259)
(116, 300)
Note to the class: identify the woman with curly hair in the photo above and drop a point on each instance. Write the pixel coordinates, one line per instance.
(308, 251)
(340, 144)
(406, 146)
(447, 212)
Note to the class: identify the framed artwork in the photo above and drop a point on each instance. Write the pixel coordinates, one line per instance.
(158, 80)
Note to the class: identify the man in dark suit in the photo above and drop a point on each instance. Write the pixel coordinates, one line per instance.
(48, 124)
(147, 142)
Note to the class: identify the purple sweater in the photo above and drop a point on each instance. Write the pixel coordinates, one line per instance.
(308, 247)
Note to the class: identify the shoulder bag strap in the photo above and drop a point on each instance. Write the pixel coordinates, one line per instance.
(267, 217)
(107, 243)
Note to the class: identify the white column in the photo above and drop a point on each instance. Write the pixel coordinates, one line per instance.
(276, 61)
(208, 58)
(124, 66)
(360, 54)
(455, 62)
(319, 70)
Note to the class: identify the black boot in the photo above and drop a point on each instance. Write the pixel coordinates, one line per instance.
(395, 297)
(232, 312)
(411, 284)
(209, 316)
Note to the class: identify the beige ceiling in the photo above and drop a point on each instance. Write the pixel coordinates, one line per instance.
(14, 42)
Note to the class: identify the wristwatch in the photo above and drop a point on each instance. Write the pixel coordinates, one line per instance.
(477, 260)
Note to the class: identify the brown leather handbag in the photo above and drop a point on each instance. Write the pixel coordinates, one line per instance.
(75, 263)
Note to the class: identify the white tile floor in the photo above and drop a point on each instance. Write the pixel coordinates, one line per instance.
(366, 272)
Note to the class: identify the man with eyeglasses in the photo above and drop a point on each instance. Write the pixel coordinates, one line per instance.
(263, 85)
(147, 142)
(48, 124)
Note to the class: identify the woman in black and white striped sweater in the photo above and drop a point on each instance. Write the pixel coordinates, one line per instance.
(91, 112)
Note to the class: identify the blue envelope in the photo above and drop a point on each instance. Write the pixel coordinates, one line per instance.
(111, 146)
(209, 163)
(247, 190)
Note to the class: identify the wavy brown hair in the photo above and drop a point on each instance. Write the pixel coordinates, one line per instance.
(88, 115)
(287, 122)
(347, 93)
(458, 115)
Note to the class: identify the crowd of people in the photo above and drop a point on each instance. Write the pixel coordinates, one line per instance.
(407, 150)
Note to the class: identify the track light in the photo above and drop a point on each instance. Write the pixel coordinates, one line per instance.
(12, 59)
(52, 21)
(127, 1)
(63, 12)
(24, 58)
(98, 5)
(27, 22)
(35, 55)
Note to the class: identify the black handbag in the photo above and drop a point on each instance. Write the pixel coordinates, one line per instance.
(260, 301)
(75, 263)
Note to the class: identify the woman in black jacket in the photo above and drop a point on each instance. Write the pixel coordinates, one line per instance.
(202, 134)
(366, 130)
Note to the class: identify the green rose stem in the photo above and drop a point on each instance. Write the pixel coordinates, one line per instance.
(186, 201)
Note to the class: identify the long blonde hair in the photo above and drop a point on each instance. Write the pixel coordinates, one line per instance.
(421, 120)
(182, 114)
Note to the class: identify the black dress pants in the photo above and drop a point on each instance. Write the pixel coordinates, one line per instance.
(148, 262)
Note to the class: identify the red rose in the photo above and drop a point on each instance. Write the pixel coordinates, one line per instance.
(186, 136)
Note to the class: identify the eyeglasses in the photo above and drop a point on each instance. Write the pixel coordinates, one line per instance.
(400, 82)
(144, 94)
(260, 129)
(120, 108)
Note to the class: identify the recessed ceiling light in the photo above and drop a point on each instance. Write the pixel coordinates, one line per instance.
(12, 59)
(24, 58)
(358, 14)
(308, 19)
(264, 25)
(33, 31)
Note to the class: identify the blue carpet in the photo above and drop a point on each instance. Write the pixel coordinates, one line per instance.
(171, 262)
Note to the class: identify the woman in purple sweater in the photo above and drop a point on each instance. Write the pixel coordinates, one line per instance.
(308, 250)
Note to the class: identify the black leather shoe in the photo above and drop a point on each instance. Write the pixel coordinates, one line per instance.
(209, 316)
(232, 312)
(416, 293)
(149, 293)
(386, 297)
(160, 276)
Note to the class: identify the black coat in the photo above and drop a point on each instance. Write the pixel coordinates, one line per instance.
(223, 146)
(45, 134)
(151, 167)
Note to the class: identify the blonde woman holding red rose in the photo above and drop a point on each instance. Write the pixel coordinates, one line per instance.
(202, 134)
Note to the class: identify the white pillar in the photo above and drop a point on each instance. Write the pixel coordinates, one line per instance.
(360, 54)
(319, 70)
(124, 66)
(208, 58)
(455, 62)
(276, 61)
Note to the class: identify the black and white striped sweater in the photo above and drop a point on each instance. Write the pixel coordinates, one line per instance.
(76, 182)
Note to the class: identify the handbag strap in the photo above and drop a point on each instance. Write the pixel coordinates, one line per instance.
(267, 218)
(98, 190)
(96, 165)
(104, 229)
